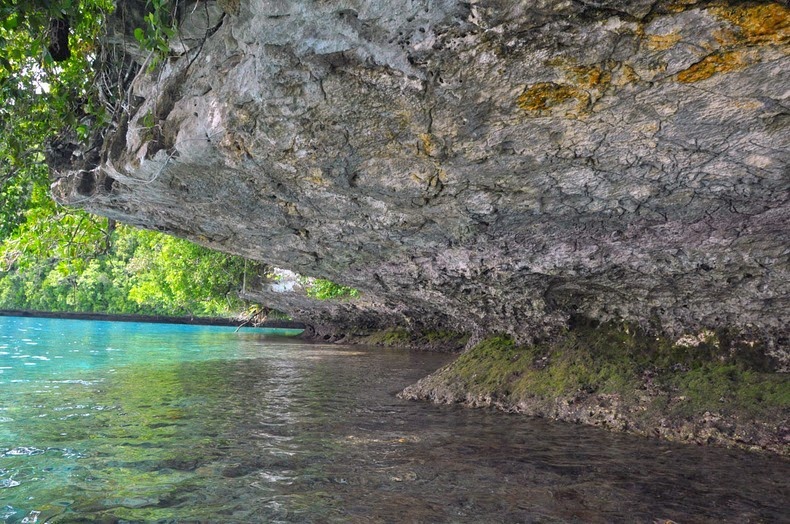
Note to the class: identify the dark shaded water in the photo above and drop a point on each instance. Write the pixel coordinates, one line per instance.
(110, 422)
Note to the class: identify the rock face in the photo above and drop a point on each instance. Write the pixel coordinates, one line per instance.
(488, 166)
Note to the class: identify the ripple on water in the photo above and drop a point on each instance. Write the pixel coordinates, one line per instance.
(80, 382)
(9, 483)
(7, 512)
(23, 451)
(302, 433)
(68, 452)
(69, 408)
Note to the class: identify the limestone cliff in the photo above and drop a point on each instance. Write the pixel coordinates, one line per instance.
(486, 166)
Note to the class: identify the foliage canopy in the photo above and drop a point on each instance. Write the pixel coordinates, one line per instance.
(52, 83)
(60, 259)
(327, 290)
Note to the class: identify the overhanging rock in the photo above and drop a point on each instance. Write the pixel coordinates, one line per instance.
(485, 166)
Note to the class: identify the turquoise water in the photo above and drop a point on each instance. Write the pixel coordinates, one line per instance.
(103, 421)
(82, 401)
(124, 422)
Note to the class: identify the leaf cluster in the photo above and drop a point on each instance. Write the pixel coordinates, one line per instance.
(40, 97)
(159, 28)
(58, 259)
(327, 290)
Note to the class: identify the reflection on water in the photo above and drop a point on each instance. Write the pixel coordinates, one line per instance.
(182, 423)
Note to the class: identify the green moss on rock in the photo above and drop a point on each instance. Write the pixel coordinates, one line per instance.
(614, 375)
(441, 340)
(389, 337)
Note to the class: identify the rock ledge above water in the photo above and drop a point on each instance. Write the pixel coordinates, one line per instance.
(488, 166)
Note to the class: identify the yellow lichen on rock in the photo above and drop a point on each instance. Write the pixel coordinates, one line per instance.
(231, 7)
(679, 6)
(591, 77)
(712, 64)
(749, 27)
(625, 75)
(426, 143)
(573, 96)
(316, 176)
(546, 96)
(662, 42)
(769, 24)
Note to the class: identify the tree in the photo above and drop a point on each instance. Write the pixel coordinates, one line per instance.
(46, 86)
(52, 83)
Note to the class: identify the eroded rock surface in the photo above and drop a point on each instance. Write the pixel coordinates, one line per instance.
(488, 166)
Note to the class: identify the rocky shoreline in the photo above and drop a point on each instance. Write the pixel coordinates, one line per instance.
(706, 389)
(701, 391)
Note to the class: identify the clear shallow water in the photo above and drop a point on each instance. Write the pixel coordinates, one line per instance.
(108, 422)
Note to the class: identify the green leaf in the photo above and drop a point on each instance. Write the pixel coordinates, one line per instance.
(139, 35)
(12, 22)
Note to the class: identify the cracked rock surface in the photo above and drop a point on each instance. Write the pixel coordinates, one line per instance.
(487, 166)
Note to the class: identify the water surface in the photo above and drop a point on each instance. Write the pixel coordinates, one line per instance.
(108, 422)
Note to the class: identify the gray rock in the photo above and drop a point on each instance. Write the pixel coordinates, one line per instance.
(487, 166)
